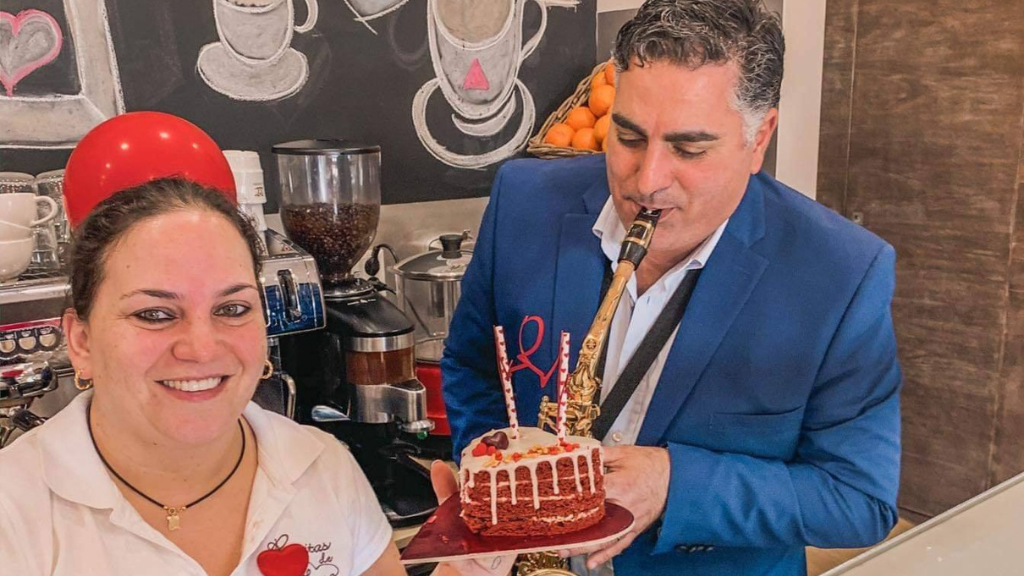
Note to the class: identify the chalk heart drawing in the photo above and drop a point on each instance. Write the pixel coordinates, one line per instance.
(477, 48)
(254, 59)
(28, 41)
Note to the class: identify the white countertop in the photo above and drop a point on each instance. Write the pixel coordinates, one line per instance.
(980, 536)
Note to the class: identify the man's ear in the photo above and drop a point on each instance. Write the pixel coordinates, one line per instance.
(76, 334)
(763, 138)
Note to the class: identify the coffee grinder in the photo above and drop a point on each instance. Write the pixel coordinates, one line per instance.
(356, 378)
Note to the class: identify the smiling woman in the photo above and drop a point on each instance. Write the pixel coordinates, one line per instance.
(164, 455)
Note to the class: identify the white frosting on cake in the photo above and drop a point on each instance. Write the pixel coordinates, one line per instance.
(529, 438)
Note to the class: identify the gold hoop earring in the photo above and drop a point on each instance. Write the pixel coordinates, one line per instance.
(80, 383)
(268, 370)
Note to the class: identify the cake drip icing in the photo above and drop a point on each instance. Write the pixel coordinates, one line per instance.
(534, 446)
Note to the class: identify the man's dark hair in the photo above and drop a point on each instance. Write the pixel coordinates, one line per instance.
(698, 32)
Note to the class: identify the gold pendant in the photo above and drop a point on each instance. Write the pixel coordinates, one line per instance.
(174, 517)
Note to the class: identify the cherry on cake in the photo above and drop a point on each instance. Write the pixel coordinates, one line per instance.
(533, 485)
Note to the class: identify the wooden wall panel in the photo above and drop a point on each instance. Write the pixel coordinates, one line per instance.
(1007, 453)
(934, 140)
(836, 98)
(928, 37)
(937, 150)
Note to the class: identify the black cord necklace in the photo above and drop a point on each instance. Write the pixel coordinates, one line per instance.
(173, 514)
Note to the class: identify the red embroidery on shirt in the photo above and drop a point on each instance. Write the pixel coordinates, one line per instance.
(284, 559)
(292, 560)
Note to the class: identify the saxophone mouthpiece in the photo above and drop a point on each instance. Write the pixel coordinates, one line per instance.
(649, 215)
(638, 238)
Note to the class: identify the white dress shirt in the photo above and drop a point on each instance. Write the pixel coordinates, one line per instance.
(61, 514)
(633, 318)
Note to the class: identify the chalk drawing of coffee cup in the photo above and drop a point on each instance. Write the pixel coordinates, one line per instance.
(254, 59)
(477, 48)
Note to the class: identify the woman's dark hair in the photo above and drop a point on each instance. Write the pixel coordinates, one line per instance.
(112, 218)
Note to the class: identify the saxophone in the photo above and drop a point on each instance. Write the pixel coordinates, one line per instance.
(584, 382)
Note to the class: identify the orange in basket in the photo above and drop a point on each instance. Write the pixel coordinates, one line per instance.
(580, 117)
(601, 99)
(559, 135)
(591, 92)
(601, 127)
(584, 139)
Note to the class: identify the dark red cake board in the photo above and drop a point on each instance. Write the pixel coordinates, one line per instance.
(445, 536)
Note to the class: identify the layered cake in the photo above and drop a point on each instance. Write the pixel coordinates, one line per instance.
(533, 485)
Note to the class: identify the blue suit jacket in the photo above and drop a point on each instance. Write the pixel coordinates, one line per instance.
(779, 401)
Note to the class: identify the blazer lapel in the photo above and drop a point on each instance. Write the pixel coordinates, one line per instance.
(578, 274)
(726, 282)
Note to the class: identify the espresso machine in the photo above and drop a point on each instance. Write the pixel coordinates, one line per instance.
(32, 358)
(356, 378)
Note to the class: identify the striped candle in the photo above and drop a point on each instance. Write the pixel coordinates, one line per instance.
(505, 375)
(563, 385)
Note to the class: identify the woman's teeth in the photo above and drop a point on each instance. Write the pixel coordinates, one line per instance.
(192, 385)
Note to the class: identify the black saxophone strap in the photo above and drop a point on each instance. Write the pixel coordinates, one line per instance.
(642, 359)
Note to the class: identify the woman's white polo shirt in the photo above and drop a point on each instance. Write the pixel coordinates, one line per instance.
(61, 514)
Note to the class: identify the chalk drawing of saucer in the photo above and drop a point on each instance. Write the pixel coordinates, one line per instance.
(252, 82)
(480, 129)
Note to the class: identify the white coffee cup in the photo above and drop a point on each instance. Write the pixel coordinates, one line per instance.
(11, 231)
(15, 256)
(21, 209)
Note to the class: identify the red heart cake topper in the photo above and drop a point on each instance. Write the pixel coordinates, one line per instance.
(291, 560)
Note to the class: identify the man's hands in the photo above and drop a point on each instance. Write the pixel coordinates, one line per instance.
(637, 479)
(443, 480)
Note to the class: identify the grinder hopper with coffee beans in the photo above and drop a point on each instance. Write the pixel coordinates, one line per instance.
(356, 378)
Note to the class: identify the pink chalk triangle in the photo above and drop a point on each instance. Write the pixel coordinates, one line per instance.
(475, 78)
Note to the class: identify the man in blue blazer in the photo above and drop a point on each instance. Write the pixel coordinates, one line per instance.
(770, 419)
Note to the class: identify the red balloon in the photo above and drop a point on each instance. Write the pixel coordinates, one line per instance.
(138, 147)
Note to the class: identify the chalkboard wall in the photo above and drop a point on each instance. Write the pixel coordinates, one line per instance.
(361, 84)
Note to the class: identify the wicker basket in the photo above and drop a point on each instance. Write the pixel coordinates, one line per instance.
(536, 145)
